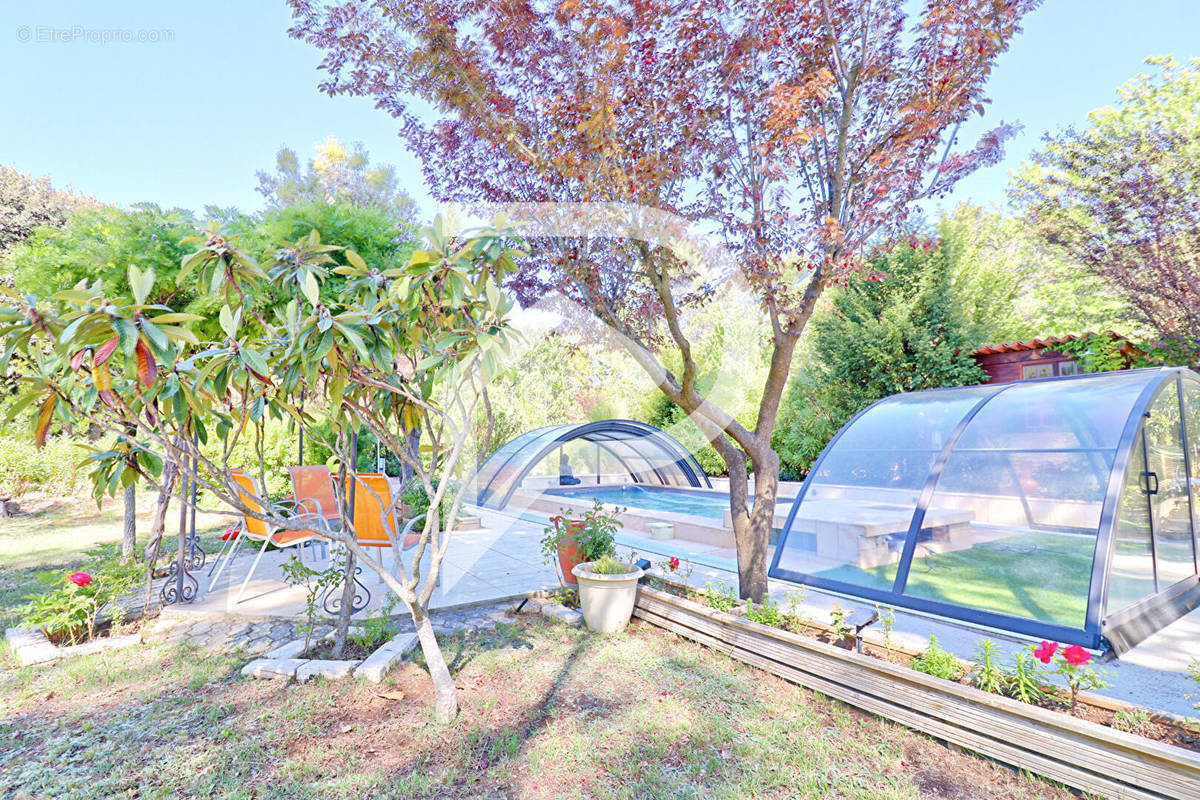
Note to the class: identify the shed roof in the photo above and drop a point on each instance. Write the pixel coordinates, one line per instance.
(1047, 342)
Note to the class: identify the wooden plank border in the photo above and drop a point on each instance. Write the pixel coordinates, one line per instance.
(1081, 754)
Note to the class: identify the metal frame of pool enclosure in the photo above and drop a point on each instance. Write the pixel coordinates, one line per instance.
(1063, 508)
(645, 453)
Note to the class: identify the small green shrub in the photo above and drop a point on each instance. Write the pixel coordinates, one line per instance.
(837, 621)
(1134, 721)
(1027, 679)
(54, 468)
(765, 613)
(417, 499)
(377, 626)
(316, 583)
(609, 565)
(720, 597)
(938, 662)
(595, 533)
(71, 601)
(989, 674)
(795, 616)
(887, 621)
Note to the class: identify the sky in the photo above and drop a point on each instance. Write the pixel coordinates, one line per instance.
(201, 95)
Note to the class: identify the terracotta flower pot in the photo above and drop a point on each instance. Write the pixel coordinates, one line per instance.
(568, 550)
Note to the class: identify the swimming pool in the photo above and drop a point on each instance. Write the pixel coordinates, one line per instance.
(655, 498)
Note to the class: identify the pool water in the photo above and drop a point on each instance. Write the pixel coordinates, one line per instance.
(655, 498)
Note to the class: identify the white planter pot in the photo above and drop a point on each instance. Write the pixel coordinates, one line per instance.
(607, 600)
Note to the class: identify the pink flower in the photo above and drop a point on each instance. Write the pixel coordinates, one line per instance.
(80, 579)
(1046, 652)
(673, 563)
(1076, 656)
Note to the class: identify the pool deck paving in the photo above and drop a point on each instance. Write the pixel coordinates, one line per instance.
(501, 561)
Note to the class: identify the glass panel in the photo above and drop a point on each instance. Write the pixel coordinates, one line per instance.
(1084, 413)
(1191, 412)
(504, 467)
(1012, 524)
(854, 518)
(1131, 576)
(1168, 484)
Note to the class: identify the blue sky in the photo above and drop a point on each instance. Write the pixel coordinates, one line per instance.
(187, 121)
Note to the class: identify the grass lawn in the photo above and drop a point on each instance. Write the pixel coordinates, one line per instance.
(56, 532)
(547, 712)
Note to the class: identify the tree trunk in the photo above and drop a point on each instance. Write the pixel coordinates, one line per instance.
(342, 625)
(445, 696)
(412, 441)
(158, 526)
(129, 531)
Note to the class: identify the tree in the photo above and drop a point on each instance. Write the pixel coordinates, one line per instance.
(99, 244)
(1011, 285)
(1121, 198)
(900, 328)
(27, 203)
(795, 129)
(336, 175)
(400, 348)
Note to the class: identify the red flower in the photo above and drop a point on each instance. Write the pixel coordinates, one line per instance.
(81, 579)
(1046, 652)
(673, 563)
(1076, 656)
(231, 533)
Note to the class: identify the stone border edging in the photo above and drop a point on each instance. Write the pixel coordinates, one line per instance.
(32, 647)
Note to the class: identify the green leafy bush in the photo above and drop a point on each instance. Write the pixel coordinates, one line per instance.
(417, 500)
(609, 565)
(837, 621)
(989, 675)
(67, 608)
(594, 531)
(721, 597)
(938, 662)
(1028, 679)
(54, 468)
(767, 612)
(896, 327)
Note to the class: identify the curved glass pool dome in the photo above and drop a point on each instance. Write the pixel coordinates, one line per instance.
(607, 451)
(1064, 508)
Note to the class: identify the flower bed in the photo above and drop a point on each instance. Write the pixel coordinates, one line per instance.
(1060, 746)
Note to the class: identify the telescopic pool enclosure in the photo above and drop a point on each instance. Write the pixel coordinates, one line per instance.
(1064, 508)
(611, 450)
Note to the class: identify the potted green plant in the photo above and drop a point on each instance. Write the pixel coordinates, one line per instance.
(607, 591)
(569, 542)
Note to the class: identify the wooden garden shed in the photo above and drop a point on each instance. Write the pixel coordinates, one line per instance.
(1036, 358)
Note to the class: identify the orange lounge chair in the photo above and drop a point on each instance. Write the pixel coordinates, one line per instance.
(374, 520)
(312, 487)
(256, 530)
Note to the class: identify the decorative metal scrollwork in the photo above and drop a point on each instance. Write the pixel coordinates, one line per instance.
(332, 602)
(196, 555)
(179, 588)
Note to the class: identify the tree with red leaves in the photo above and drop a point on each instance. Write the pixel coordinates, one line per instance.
(797, 129)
